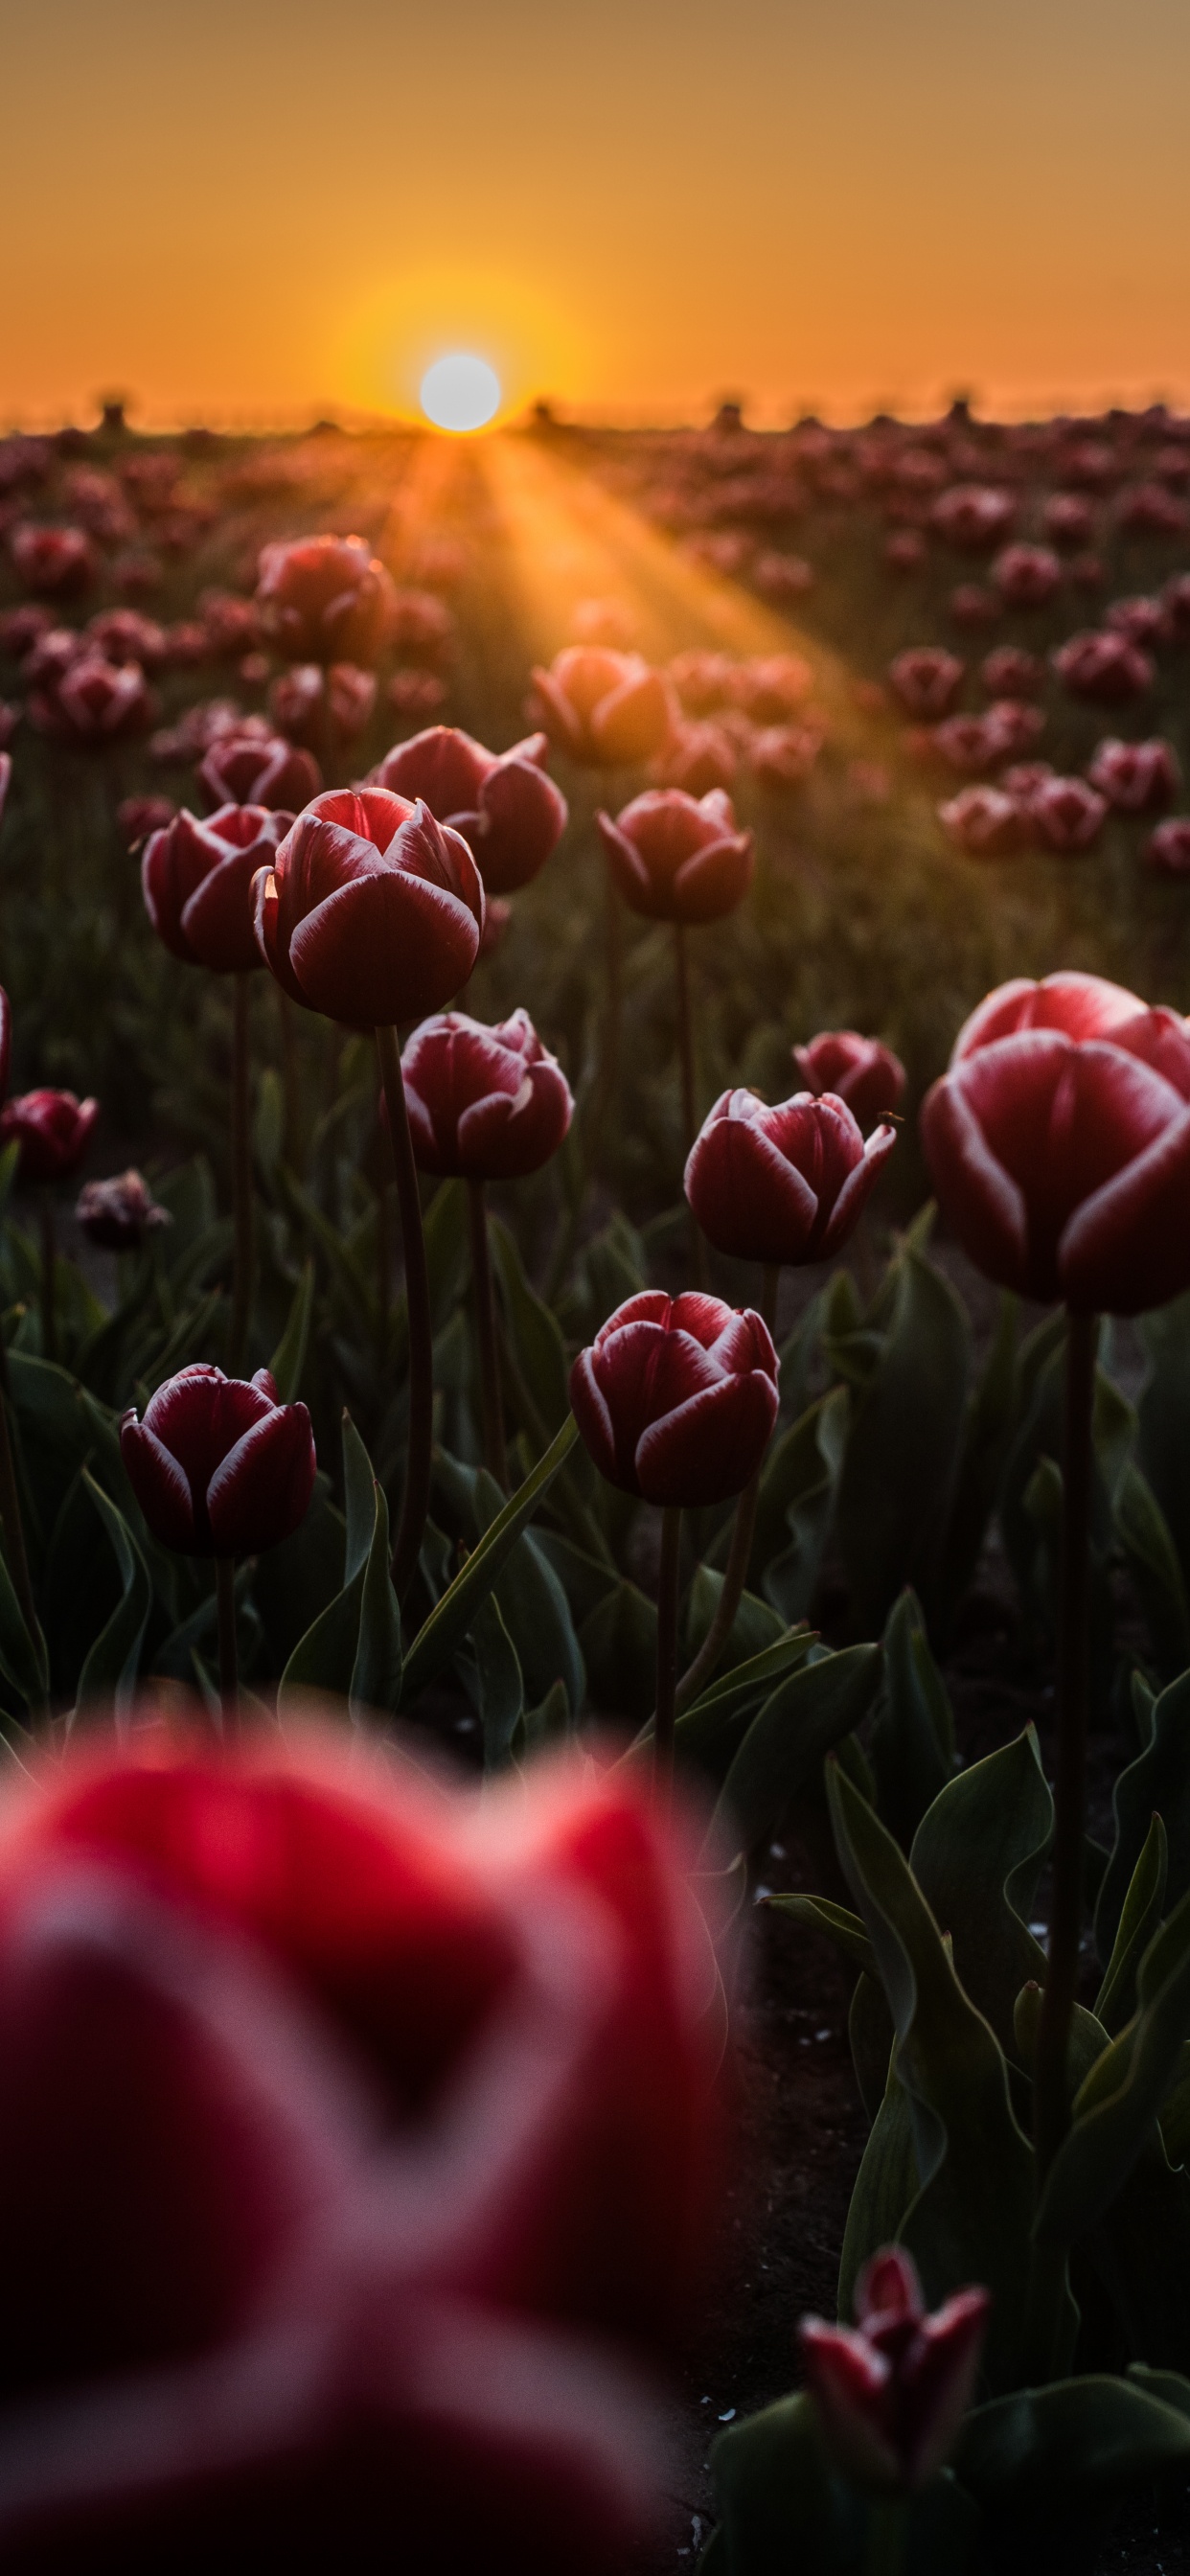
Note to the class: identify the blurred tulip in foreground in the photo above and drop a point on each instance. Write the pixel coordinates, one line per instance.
(371, 911)
(506, 808)
(484, 1103)
(859, 1070)
(676, 857)
(51, 1128)
(197, 878)
(605, 710)
(218, 1466)
(892, 2390)
(676, 1397)
(785, 1184)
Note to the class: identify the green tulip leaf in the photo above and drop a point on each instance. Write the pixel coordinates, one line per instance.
(111, 1666)
(1143, 1908)
(912, 1749)
(1040, 2450)
(977, 1857)
(800, 1721)
(1117, 2105)
(289, 1358)
(1158, 1782)
(903, 1447)
(451, 1617)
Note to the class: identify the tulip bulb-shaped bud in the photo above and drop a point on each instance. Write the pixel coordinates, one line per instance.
(676, 1397)
(892, 2390)
(784, 1184)
(219, 1467)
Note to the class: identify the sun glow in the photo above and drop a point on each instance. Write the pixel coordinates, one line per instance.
(460, 392)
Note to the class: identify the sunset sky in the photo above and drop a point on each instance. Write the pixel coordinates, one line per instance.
(247, 211)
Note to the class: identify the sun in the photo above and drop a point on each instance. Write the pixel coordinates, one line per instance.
(460, 392)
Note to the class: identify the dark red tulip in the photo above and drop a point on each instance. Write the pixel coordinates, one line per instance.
(700, 757)
(371, 912)
(138, 816)
(1059, 1144)
(197, 879)
(771, 688)
(974, 517)
(55, 563)
(969, 743)
(1150, 511)
(1008, 671)
(254, 769)
(96, 702)
(325, 599)
(122, 635)
(676, 1397)
(503, 804)
(605, 710)
(1175, 599)
(1067, 814)
(926, 679)
(1168, 848)
(415, 693)
(10, 717)
(422, 628)
(1026, 576)
(1102, 667)
(971, 604)
(891, 2392)
(986, 822)
(117, 1214)
(859, 1070)
(784, 1184)
(676, 857)
(304, 700)
(218, 1466)
(51, 1128)
(230, 625)
(22, 628)
(1135, 777)
(1068, 520)
(485, 1104)
(782, 756)
(905, 550)
(1146, 621)
(402, 2132)
(50, 656)
(497, 917)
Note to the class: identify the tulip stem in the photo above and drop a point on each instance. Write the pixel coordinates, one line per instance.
(686, 1061)
(49, 1269)
(743, 1532)
(10, 1506)
(241, 1175)
(1070, 1801)
(491, 1406)
(667, 1648)
(229, 1664)
(415, 1501)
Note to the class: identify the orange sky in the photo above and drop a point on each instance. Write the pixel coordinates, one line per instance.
(246, 210)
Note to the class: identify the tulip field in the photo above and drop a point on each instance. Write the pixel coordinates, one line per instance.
(595, 1497)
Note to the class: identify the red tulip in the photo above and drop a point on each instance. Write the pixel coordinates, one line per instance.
(905, 550)
(973, 516)
(138, 816)
(1103, 667)
(422, 629)
(969, 743)
(859, 1070)
(1175, 598)
(1168, 848)
(415, 693)
(117, 1214)
(771, 689)
(218, 1466)
(1067, 814)
(703, 680)
(485, 1104)
(784, 755)
(1135, 777)
(927, 679)
(972, 605)
(230, 625)
(676, 857)
(22, 628)
(51, 1128)
(121, 635)
(676, 1397)
(197, 880)
(255, 769)
(1059, 1144)
(782, 577)
(96, 702)
(57, 563)
(1145, 621)
(50, 657)
(984, 821)
(503, 804)
(302, 701)
(400, 2122)
(1150, 511)
(785, 1184)
(1009, 672)
(892, 2391)
(1026, 576)
(325, 599)
(700, 757)
(371, 912)
(604, 709)
(1067, 520)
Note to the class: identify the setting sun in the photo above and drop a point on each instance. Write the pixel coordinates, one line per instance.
(460, 392)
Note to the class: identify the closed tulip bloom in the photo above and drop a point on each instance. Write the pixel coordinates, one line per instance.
(905, 550)
(892, 2390)
(972, 604)
(1135, 777)
(772, 688)
(1059, 1144)
(259, 769)
(700, 757)
(783, 756)
(502, 803)
(974, 517)
(485, 1104)
(1103, 667)
(22, 628)
(117, 1214)
(1146, 621)
(784, 1184)
(926, 679)
(676, 1397)
(371, 912)
(605, 710)
(1008, 671)
(197, 879)
(51, 1128)
(422, 627)
(55, 563)
(50, 656)
(969, 743)
(302, 700)
(325, 599)
(96, 702)
(1068, 520)
(676, 857)
(1067, 814)
(859, 1070)
(122, 635)
(1027, 576)
(138, 816)
(1168, 848)
(986, 822)
(218, 1466)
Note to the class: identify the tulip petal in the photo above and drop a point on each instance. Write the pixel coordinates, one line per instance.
(590, 1409)
(713, 881)
(710, 1447)
(217, 921)
(750, 1201)
(1128, 1248)
(978, 1197)
(383, 948)
(261, 1490)
(1081, 1006)
(856, 1190)
(160, 1485)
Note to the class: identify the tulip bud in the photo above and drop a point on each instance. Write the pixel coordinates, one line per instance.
(95, 702)
(51, 1128)
(1027, 576)
(325, 599)
(1009, 672)
(785, 1184)
(986, 822)
(502, 803)
(197, 879)
(1102, 667)
(218, 1466)
(926, 679)
(485, 1104)
(678, 858)
(57, 563)
(892, 2391)
(1135, 777)
(371, 912)
(258, 768)
(117, 1214)
(676, 1398)
(1067, 815)
(604, 709)
(858, 1070)
(973, 516)
(1168, 848)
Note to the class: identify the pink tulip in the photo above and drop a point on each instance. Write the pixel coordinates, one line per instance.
(983, 821)
(1135, 777)
(974, 517)
(1026, 576)
(926, 679)
(1102, 667)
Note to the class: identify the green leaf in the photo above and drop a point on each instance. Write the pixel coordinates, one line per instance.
(870, 2034)
(585, 1579)
(111, 1666)
(912, 1747)
(500, 1680)
(1158, 1782)
(1152, 1560)
(376, 1673)
(971, 2217)
(1085, 2440)
(1164, 1420)
(1143, 1908)
(452, 1616)
(845, 1931)
(534, 1333)
(619, 1643)
(785, 2511)
(796, 1504)
(755, 1626)
(359, 1498)
(352, 1650)
(987, 1431)
(800, 1722)
(977, 1857)
(23, 1659)
(709, 1733)
(1117, 2104)
(902, 1454)
(289, 1358)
